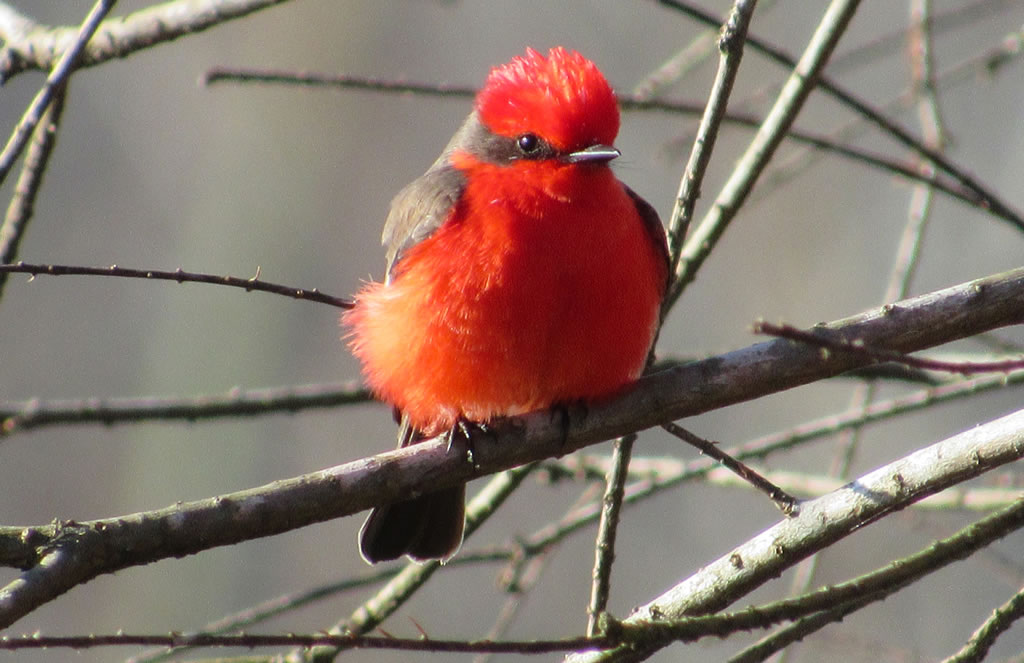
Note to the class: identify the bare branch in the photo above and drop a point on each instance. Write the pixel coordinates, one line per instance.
(780, 118)
(835, 516)
(831, 603)
(855, 346)
(40, 48)
(84, 550)
(337, 642)
(16, 417)
(982, 640)
(734, 34)
(788, 504)
(635, 103)
(54, 82)
(988, 199)
(180, 276)
(607, 530)
(22, 205)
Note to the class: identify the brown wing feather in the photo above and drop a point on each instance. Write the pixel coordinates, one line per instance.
(419, 209)
(652, 223)
(426, 203)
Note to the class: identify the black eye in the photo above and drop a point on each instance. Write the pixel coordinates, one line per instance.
(528, 143)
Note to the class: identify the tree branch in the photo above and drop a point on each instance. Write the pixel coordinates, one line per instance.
(31, 46)
(794, 93)
(86, 550)
(180, 276)
(828, 519)
(988, 199)
(821, 523)
(54, 84)
(20, 416)
(26, 190)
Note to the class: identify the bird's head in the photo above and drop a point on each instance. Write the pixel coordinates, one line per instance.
(559, 105)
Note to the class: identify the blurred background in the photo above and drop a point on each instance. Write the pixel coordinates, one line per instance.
(152, 170)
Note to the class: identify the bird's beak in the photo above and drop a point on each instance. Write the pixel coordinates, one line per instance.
(593, 154)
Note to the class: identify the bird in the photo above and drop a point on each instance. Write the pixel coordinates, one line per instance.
(521, 275)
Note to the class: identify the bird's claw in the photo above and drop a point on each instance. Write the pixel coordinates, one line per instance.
(464, 430)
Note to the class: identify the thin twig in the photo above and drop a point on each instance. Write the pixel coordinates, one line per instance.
(604, 548)
(22, 205)
(180, 276)
(780, 639)
(757, 155)
(17, 417)
(628, 103)
(730, 44)
(215, 75)
(981, 641)
(786, 502)
(682, 63)
(988, 199)
(678, 66)
(56, 79)
(400, 588)
(871, 497)
(824, 339)
(117, 37)
(313, 642)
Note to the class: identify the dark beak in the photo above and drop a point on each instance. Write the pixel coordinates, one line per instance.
(593, 154)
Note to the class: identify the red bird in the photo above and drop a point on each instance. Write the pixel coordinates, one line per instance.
(521, 274)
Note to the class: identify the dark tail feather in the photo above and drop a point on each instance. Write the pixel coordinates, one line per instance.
(424, 528)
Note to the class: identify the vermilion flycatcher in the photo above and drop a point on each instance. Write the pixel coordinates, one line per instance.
(521, 274)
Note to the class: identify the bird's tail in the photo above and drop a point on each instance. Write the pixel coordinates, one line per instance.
(426, 527)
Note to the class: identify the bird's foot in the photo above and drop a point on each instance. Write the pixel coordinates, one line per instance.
(461, 434)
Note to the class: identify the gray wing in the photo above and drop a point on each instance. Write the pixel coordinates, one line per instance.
(419, 209)
(425, 204)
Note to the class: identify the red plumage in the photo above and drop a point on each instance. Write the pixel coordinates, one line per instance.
(522, 274)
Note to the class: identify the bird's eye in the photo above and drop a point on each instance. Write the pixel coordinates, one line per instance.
(528, 143)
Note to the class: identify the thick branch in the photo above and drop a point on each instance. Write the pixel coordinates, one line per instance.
(104, 546)
(30, 46)
(828, 519)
